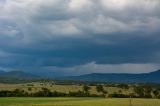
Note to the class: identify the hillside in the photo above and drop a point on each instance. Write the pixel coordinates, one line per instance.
(153, 77)
(16, 77)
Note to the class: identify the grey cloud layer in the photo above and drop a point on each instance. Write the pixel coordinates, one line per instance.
(76, 32)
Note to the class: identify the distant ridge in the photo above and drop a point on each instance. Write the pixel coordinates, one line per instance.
(16, 74)
(1, 72)
(16, 77)
(155, 72)
(152, 77)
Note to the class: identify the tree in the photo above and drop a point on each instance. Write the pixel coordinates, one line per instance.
(139, 91)
(86, 88)
(29, 89)
(155, 92)
(147, 91)
(105, 92)
(123, 86)
(99, 88)
(120, 91)
(46, 92)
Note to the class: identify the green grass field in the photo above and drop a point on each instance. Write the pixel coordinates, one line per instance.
(76, 102)
(72, 101)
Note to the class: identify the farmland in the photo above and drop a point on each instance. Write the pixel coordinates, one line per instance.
(69, 99)
(77, 102)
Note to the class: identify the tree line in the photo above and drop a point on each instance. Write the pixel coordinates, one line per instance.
(45, 92)
(139, 91)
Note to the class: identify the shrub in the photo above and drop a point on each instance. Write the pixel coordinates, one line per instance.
(116, 95)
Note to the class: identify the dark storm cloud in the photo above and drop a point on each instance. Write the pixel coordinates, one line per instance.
(78, 32)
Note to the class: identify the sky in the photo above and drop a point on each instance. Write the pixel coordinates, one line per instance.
(72, 37)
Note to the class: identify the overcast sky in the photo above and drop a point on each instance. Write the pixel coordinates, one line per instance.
(80, 36)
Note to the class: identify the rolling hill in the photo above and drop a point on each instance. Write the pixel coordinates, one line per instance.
(153, 77)
(16, 77)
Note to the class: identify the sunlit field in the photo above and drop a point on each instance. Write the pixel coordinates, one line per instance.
(77, 102)
(60, 88)
(71, 101)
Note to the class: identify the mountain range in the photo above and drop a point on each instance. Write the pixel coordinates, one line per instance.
(16, 77)
(153, 77)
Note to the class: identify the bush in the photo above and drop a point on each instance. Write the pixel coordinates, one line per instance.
(116, 95)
